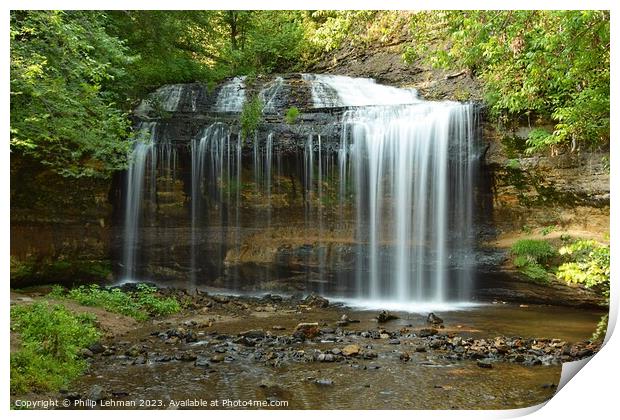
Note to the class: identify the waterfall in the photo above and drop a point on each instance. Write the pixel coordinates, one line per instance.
(335, 91)
(382, 213)
(412, 167)
(170, 96)
(269, 95)
(231, 96)
(211, 171)
(268, 173)
(134, 189)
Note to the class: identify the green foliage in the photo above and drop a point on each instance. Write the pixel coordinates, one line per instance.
(208, 45)
(148, 300)
(531, 256)
(51, 338)
(59, 268)
(170, 46)
(274, 42)
(601, 328)
(547, 230)
(587, 263)
(64, 73)
(139, 305)
(535, 272)
(251, 116)
(553, 64)
(513, 164)
(533, 249)
(327, 30)
(291, 115)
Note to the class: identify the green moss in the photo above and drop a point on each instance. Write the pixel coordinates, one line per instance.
(462, 95)
(59, 269)
(532, 188)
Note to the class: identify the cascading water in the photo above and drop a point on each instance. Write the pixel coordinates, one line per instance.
(397, 189)
(231, 96)
(135, 181)
(168, 98)
(330, 91)
(212, 171)
(269, 95)
(413, 170)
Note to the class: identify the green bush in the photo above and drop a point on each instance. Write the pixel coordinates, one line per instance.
(251, 116)
(587, 263)
(291, 115)
(601, 328)
(154, 305)
(535, 272)
(139, 305)
(547, 230)
(531, 256)
(51, 339)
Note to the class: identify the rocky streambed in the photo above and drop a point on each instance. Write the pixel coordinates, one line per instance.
(294, 352)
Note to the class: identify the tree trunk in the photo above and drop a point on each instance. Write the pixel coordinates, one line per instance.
(232, 20)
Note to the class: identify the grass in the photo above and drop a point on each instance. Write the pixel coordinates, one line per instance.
(140, 305)
(51, 339)
(536, 249)
(530, 256)
(51, 336)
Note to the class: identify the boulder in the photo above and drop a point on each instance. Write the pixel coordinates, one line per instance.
(351, 350)
(217, 358)
(427, 332)
(306, 330)
(97, 393)
(86, 353)
(316, 301)
(97, 348)
(433, 319)
(385, 316)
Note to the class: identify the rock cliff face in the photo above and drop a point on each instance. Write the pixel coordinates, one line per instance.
(56, 228)
(274, 209)
(60, 229)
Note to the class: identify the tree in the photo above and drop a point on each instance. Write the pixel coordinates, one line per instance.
(65, 85)
(170, 47)
(548, 64)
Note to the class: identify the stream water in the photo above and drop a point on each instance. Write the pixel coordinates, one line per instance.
(426, 381)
